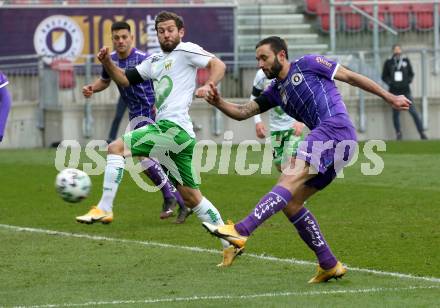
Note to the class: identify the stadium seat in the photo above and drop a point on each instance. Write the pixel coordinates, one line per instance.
(202, 76)
(19, 2)
(311, 6)
(382, 15)
(424, 16)
(352, 21)
(323, 13)
(66, 73)
(400, 16)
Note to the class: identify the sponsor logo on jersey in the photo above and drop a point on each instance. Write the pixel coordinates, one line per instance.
(58, 36)
(155, 59)
(297, 78)
(324, 62)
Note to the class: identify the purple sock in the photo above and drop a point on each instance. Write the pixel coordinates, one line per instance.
(270, 204)
(309, 231)
(158, 176)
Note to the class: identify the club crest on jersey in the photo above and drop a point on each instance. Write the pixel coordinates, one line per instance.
(297, 78)
(168, 64)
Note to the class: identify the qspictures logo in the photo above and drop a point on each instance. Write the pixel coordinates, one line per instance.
(58, 36)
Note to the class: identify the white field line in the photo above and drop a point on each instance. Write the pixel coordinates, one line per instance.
(232, 297)
(213, 251)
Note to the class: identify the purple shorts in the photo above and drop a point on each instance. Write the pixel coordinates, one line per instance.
(328, 148)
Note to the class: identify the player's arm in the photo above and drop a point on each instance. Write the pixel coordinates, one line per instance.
(216, 69)
(260, 128)
(236, 111)
(115, 73)
(97, 86)
(399, 102)
(298, 127)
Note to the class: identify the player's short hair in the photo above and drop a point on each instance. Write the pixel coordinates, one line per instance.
(276, 44)
(396, 45)
(165, 16)
(120, 25)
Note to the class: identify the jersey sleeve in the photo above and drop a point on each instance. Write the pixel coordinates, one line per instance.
(3, 80)
(104, 74)
(258, 84)
(268, 99)
(144, 69)
(320, 65)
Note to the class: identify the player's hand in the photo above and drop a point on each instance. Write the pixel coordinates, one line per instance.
(400, 102)
(298, 128)
(202, 91)
(212, 96)
(260, 130)
(87, 91)
(103, 55)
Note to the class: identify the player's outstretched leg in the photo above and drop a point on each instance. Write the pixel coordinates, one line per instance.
(208, 213)
(238, 234)
(310, 232)
(113, 173)
(171, 195)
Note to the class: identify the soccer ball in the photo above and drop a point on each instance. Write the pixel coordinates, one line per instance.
(73, 185)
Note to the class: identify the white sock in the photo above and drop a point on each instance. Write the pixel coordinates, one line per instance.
(112, 177)
(207, 212)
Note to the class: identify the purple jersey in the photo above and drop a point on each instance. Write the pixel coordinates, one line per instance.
(5, 104)
(3, 80)
(308, 93)
(140, 97)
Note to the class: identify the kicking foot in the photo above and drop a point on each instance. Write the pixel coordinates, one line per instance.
(95, 215)
(229, 255)
(228, 233)
(323, 275)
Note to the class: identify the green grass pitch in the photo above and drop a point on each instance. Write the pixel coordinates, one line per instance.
(384, 227)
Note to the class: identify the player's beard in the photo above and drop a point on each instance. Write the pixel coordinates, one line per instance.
(274, 70)
(170, 46)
